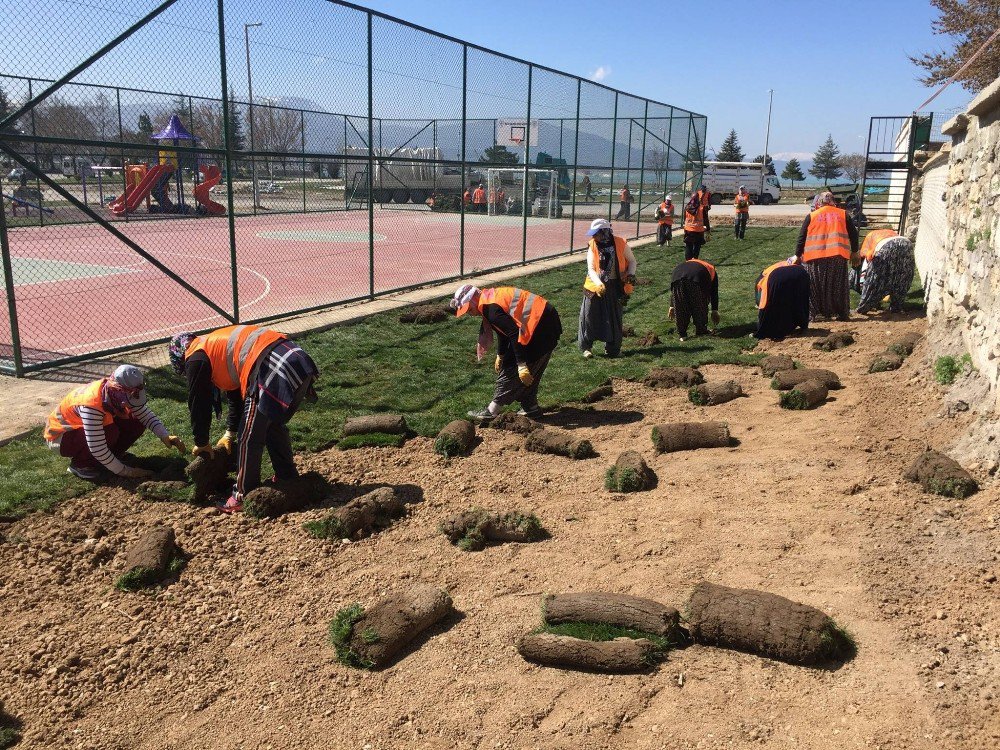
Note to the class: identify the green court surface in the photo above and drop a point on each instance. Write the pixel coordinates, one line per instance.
(42, 270)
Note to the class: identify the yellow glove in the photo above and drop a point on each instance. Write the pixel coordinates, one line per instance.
(525, 374)
(172, 441)
(600, 291)
(715, 317)
(203, 451)
(497, 366)
(226, 442)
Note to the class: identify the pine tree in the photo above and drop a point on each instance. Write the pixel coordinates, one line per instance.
(145, 127)
(793, 171)
(730, 150)
(497, 154)
(236, 135)
(826, 161)
(770, 164)
(967, 25)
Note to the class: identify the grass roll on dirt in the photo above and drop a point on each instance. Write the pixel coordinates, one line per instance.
(210, 475)
(805, 395)
(559, 443)
(788, 379)
(426, 314)
(618, 656)
(513, 422)
(271, 500)
(836, 340)
(149, 560)
(647, 339)
(885, 362)
(456, 439)
(673, 377)
(765, 624)
(373, 639)
(683, 436)
(389, 424)
(473, 529)
(361, 517)
(603, 391)
(629, 474)
(713, 394)
(904, 345)
(776, 363)
(620, 610)
(942, 475)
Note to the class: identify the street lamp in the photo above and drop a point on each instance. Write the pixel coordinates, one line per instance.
(253, 159)
(767, 138)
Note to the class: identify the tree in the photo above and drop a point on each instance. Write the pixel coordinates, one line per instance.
(793, 171)
(730, 150)
(276, 129)
(497, 154)
(145, 126)
(769, 169)
(854, 166)
(695, 157)
(6, 108)
(658, 161)
(969, 23)
(236, 135)
(826, 161)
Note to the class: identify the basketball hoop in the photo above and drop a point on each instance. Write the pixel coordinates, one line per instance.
(516, 140)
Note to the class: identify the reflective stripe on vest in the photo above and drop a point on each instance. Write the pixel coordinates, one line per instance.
(668, 214)
(524, 307)
(694, 223)
(874, 239)
(742, 203)
(762, 283)
(233, 352)
(709, 266)
(827, 235)
(66, 416)
(620, 246)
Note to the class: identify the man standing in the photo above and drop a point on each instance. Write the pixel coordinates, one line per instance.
(742, 205)
(625, 210)
(665, 221)
(588, 187)
(479, 199)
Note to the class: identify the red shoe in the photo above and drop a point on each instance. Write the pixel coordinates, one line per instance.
(232, 505)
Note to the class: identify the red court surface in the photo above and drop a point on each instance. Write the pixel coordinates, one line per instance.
(80, 289)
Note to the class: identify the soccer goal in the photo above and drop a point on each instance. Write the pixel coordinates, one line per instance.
(506, 192)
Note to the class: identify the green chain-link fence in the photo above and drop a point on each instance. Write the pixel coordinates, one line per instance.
(181, 165)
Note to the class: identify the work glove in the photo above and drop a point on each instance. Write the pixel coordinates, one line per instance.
(630, 279)
(671, 314)
(226, 442)
(525, 375)
(600, 290)
(715, 317)
(172, 441)
(203, 451)
(497, 365)
(134, 472)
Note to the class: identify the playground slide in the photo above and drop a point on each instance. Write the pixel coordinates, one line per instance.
(128, 202)
(213, 176)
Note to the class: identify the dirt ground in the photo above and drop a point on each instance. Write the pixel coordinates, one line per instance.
(810, 505)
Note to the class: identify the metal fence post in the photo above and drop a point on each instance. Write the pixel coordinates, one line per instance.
(227, 137)
(524, 200)
(34, 146)
(302, 125)
(628, 157)
(614, 148)
(576, 157)
(8, 280)
(371, 166)
(642, 166)
(461, 188)
(667, 149)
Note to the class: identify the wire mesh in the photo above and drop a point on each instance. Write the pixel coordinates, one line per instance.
(181, 164)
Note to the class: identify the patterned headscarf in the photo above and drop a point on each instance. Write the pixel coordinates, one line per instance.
(179, 345)
(115, 399)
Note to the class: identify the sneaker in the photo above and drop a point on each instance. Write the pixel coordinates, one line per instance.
(232, 505)
(483, 416)
(82, 472)
(587, 354)
(534, 412)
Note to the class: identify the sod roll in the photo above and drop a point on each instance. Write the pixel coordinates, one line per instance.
(904, 345)
(713, 394)
(776, 363)
(673, 377)
(147, 560)
(837, 340)
(473, 529)
(788, 379)
(456, 438)
(629, 474)
(598, 394)
(426, 314)
(361, 517)
(389, 424)
(559, 443)
(941, 475)
(805, 395)
(622, 655)
(271, 500)
(512, 422)
(620, 610)
(886, 361)
(683, 436)
(210, 475)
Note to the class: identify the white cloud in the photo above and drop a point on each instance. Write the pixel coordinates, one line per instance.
(786, 155)
(601, 73)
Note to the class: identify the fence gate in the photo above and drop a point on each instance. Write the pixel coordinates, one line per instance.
(885, 188)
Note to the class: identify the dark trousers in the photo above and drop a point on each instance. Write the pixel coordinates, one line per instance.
(740, 227)
(120, 434)
(625, 211)
(479, 208)
(692, 244)
(689, 302)
(664, 233)
(509, 387)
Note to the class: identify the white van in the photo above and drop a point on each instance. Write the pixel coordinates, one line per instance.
(723, 179)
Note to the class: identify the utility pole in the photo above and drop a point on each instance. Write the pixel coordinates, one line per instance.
(253, 159)
(767, 138)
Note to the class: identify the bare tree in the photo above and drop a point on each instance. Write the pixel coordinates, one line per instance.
(853, 166)
(57, 117)
(208, 124)
(277, 129)
(967, 24)
(658, 160)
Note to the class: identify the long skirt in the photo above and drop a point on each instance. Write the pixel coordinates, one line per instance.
(601, 319)
(829, 294)
(787, 304)
(689, 302)
(890, 273)
(509, 387)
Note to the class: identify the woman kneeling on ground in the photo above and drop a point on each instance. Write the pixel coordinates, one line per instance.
(886, 269)
(694, 286)
(782, 300)
(606, 290)
(529, 329)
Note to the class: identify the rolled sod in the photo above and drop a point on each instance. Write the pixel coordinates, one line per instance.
(210, 475)
(788, 379)
(473, 529)
(559, 443)
(904, 345)
(837, 340)
(629, 474)
(620, 610)
(886, 361)
(389, 424)
(373, 639)
(776, 363)
(804, 396)
(271, 500)
(628, 332)
(512, 422)
(147, 561)
(683, 436)
(456, 438)
(942, 475)
(766, 624)
(426, 314)
(713, 394)
(361, 517)
(648, 339)
(673, 377)
(599, 394)
(622, 655)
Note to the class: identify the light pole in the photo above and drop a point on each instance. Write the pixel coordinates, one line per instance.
(253, 159)
(767, 138)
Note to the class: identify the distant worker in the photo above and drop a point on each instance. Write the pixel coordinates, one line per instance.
(529, 329)
(665, 221)
(625, 209)
(694, 287)
(609, 283)
(742, 205)
(265, 377)
(588, 188)
(479, 199)
(887, 270)
(95, 424)
(695, 227)
(467, 198)
(705, 197)
(782, 300)
(827, 241)
(501, 200)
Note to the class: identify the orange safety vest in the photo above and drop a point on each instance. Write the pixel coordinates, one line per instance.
(523, 306)
(705, 198)
(694, 222)
(620, 246)
(479, 196)
(742, 203)
(827, 235)
(709, 266)
(873, 240)
(493, 196)
(668, 211)
(233, 351)
(66, 416)
(762, 283)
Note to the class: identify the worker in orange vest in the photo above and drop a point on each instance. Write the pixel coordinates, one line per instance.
(742, 205)
(479, 199)
(695, 227)
(95, 424)
(265, 377)
(665, 221)
(782, 300)
(827, 241)
(528, 330)
(705, 197)
(606, 289)
(467, 197)
(625, 208)
(694, 287)
(887, 270)
(501, 201)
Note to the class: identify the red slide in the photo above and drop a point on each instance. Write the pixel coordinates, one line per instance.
(135, 195)
(213, 176)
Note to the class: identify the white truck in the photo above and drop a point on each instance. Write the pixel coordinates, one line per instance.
(723, 179)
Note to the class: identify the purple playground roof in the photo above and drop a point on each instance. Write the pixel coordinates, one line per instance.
(174, 130)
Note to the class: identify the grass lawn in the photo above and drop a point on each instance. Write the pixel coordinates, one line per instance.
(429, 372)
